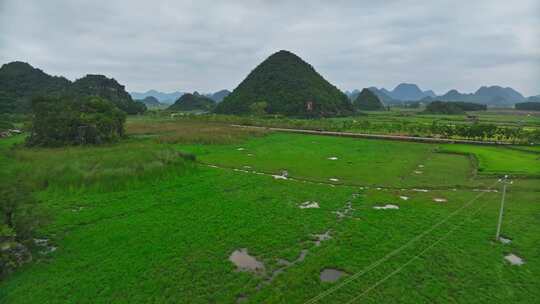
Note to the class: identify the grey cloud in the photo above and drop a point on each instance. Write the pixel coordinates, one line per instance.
(209, 45)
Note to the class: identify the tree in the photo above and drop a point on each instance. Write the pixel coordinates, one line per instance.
(64, 121)
(258, 108)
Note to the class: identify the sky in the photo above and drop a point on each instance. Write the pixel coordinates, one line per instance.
(210, 45)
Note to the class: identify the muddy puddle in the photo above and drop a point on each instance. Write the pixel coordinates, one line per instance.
(385, 207)
(45, 246)
(319, 238)
(309, 205)
(245, 262)
(505, 240)
(514, 259)
(346, 211)
(331, 275)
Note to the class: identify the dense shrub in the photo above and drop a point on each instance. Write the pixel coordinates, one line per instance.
(64, 121)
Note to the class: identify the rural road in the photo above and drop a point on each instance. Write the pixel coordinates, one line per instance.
(379, 136)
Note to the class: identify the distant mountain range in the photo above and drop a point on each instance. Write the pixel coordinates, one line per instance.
(170, 98)
(490, 95)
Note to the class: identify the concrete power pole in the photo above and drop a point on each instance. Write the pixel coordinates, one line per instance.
(501, 211)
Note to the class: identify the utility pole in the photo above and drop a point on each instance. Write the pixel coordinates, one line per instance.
(501, 211)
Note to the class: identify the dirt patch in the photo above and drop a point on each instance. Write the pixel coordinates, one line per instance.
(245, 262)
(331, 275)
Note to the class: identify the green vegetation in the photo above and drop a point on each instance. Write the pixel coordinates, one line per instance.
(62, 121)
(528, 106)
(499, 160)
(367, 101)
(147, 219)
(289, 86)
(193, 102)
(453, 107)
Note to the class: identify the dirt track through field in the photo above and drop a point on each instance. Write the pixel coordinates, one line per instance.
(378, 136)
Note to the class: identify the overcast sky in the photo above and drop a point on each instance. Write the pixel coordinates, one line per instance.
(210, 45)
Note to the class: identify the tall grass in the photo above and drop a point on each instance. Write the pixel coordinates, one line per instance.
(190, 131)
(97, 167)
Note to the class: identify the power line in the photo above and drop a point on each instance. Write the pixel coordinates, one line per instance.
(397, 270)
(395, 251)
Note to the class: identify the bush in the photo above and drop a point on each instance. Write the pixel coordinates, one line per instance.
(64, 121)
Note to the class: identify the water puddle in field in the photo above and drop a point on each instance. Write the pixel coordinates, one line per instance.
(331, 275)
(420, 166)
(345, 211)
(44, 244)
(514, 259)
(333, 179)
(319, 238)
(485, 190)
(418, 172)
(505, 240)
(245, 262)
(405, 198)
(246, 167)
(241, 299)
(420, 190)
(332, 158)
(385, 207)
(440, 200)
(240, 149)
(308, 205)
(249, 154)
(279, 177)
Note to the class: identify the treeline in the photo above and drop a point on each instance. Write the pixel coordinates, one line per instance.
(453, 107)
(528, 106)
(474, 131)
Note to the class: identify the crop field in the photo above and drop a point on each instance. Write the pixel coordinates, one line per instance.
(161, 216)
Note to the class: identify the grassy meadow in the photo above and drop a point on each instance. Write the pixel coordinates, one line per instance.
(154, 219)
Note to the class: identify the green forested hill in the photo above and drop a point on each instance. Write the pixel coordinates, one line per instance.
(367, 101)
(193, 102)
(19, 82)
(285, 84)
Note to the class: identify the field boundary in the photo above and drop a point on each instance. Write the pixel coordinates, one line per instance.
(379, 136)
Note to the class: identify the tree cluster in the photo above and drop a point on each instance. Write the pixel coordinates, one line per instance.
(66, 121)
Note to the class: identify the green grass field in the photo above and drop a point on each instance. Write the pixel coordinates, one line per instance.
(135, 222)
